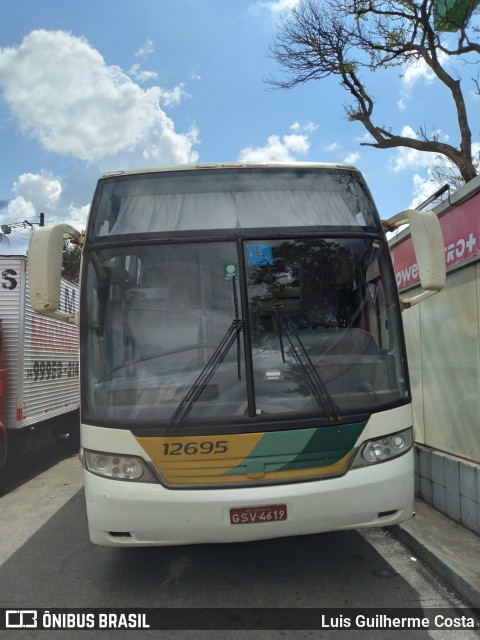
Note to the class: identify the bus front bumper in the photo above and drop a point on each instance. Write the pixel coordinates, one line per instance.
(136, 514)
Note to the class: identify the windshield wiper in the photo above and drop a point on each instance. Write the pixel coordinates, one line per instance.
(216, 359)
(316, 384)
(197, 388)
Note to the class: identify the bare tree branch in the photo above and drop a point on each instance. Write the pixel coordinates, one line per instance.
(319, 39)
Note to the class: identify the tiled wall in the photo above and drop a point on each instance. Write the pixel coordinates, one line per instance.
(450, 484)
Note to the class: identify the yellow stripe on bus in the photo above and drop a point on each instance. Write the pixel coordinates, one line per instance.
(203, 460)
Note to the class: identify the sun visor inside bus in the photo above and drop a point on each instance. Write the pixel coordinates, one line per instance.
(167, 212)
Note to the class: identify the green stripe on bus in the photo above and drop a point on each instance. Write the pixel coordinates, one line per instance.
(301, 448)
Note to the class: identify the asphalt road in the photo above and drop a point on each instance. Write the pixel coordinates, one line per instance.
(47, 561)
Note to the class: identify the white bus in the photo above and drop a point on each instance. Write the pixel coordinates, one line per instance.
(243, 368)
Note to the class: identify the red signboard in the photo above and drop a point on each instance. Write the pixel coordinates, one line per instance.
(461, 235)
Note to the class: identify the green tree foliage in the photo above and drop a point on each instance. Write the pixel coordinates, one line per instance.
(71, 262)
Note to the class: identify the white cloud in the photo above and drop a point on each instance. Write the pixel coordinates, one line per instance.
(425, 186)
(166, 137)
(281, 149)
(422, 189)
(410, 158)
(42, 192)
(367, 138)
(414, 72)
(417, 71)
(309, 127)
(174, 96)
(77, 216)
(35, 193)
(64, 95)
(277, 149)
(142, 75)
(20, 209)
(41, 189)
(145, 50)
(296, 143)
(332, 147)
(351, 158)
(276, 6)
(166, 97)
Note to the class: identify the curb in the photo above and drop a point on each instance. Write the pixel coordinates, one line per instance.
(452, 551)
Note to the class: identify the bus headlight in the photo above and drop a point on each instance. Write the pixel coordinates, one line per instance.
(116, 466)
(385, 448)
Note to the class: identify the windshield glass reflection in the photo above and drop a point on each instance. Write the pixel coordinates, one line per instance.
(165, 341)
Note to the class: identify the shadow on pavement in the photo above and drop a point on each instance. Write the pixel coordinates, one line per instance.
(19, 469)
(58, 567)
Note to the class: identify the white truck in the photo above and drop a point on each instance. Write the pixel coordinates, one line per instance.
(39, 379)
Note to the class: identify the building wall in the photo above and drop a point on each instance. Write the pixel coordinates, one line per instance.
(443, 346)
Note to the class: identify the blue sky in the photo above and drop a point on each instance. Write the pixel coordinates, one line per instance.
(90, 87)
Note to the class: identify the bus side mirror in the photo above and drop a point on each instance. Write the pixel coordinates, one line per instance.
(429, 248)
(45, 268)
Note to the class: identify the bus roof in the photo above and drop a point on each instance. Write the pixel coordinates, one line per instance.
(230, 165)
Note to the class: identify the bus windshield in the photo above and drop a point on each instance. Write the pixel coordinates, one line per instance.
(228, 199)
(240, 331)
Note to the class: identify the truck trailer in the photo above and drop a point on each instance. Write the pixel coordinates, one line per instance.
(39, 378)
